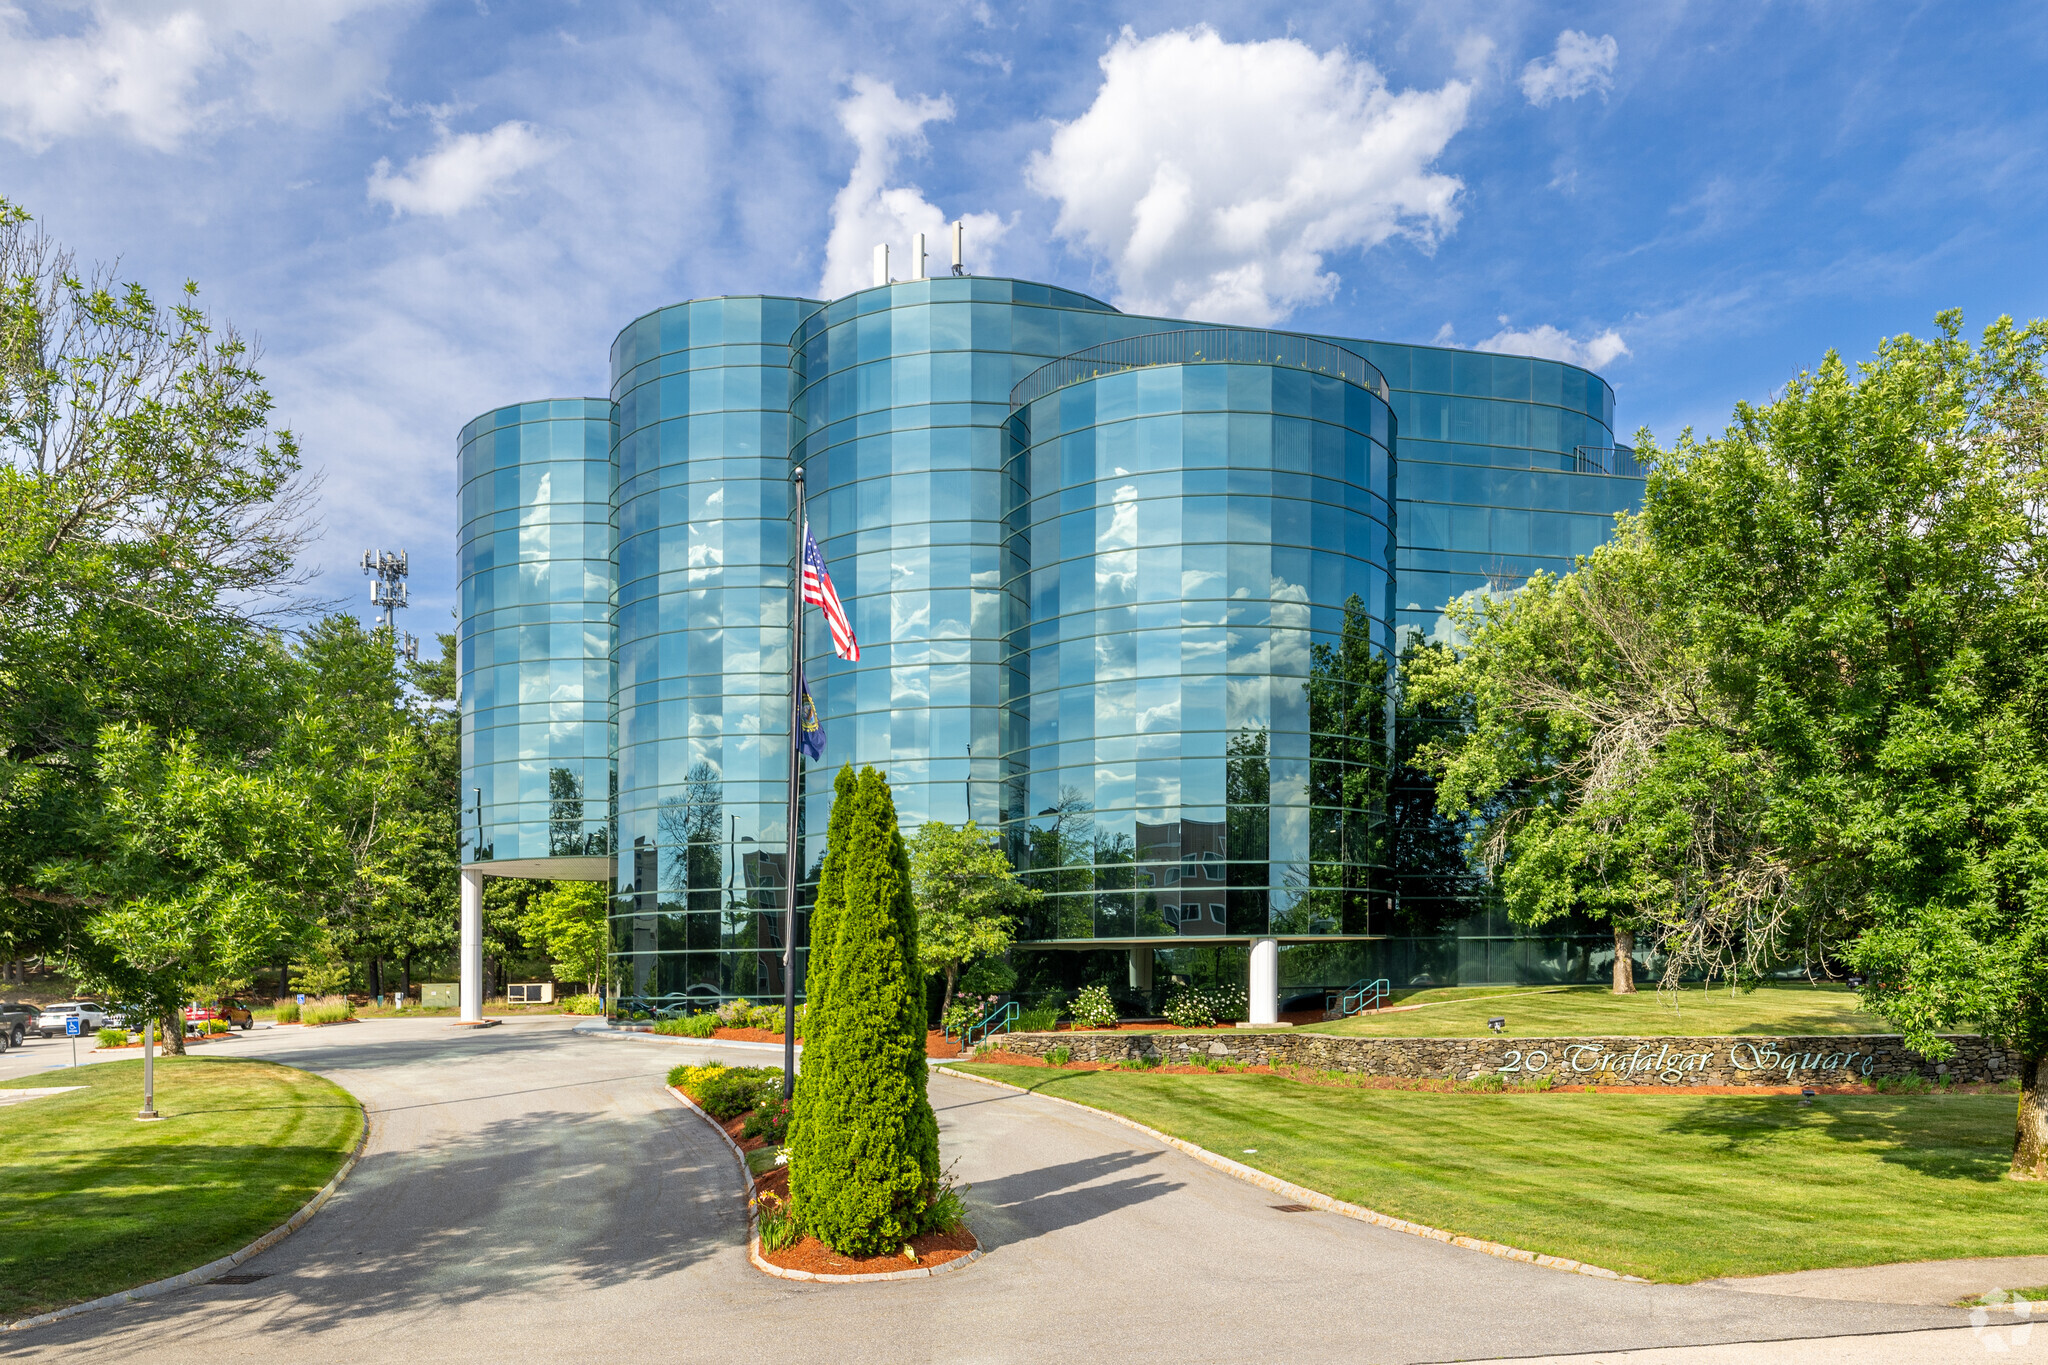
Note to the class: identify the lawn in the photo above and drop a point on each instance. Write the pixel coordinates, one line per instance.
(1675, 1189)
(1583, 1011)
(94, 1201)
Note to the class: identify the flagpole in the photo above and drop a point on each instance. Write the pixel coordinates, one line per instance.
(796, 656)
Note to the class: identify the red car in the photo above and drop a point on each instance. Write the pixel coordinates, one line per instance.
(233, 1012)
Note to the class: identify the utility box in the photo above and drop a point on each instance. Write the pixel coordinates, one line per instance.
(440, 995)
(531, 993)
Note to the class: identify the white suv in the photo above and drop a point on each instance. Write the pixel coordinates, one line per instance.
(91, 1017)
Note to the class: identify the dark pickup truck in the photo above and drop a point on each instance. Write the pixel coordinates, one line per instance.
(15, 1022)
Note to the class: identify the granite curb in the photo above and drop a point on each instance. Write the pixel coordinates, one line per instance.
(1316, 1199)
(212, 1269)
(767, 1267)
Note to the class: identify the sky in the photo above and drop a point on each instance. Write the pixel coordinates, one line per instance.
(423, 210)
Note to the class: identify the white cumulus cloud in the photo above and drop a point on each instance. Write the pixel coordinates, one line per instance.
(158, 74)
(870, 210)
(1215, 177)
(1552, 343)
(1578, 65)
(462, 170)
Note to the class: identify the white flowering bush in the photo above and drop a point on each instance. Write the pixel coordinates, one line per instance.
(1203, 1007)
(1093, 1008)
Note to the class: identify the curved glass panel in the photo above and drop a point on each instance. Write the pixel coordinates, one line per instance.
(1508, 467)
(535, 647)
(1199, 684)
(1200, 346)
(704, 554)
(900, 399)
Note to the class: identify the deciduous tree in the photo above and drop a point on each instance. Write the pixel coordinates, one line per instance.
(1803, 706)
(966, 895)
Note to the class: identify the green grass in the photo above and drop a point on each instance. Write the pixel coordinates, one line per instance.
(762, 1159)
(1676, 1189)
(1997, 1296)
(1583, 1011)
(93, 1201)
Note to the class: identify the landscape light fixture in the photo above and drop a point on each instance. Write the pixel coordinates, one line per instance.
(1805, 1096)
(1497, 1024)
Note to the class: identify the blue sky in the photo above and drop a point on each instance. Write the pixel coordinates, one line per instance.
(427, 209)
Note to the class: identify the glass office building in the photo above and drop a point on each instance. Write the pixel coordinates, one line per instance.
(1198, 513)
(704, 553)
(534, 641)
(1130, 590)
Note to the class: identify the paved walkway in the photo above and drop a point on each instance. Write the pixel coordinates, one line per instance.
(529, 1190)
(1929, 1282)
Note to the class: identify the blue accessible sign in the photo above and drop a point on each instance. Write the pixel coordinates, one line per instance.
(73, 1026)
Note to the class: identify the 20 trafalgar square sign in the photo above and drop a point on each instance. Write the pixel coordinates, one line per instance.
(1727, 1060)
(1672, 1066)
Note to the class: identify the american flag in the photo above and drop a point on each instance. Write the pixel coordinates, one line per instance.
(818, 592)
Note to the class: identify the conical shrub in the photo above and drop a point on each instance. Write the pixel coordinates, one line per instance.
(864, 1143)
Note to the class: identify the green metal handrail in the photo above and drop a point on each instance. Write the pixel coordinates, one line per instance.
(1001, 1018)
(1363, 995)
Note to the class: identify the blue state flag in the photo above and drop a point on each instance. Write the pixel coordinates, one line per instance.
(810, 730)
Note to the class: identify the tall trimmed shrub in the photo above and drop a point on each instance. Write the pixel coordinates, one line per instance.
(864, 1143)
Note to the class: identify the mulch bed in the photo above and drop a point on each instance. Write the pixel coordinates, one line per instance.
(810, 1254)
(191, 1040)
(1350, 1082)
(932, 1248)
(1295, 1017)
(936, 1044)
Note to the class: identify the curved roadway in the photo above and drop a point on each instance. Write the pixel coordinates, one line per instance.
(532, 1193)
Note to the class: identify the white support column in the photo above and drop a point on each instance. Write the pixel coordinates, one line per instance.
(472, 946)
(1141, 969)
(1265, 984)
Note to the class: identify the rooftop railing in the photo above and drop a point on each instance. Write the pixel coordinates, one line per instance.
(1619, 460)
(1201, 346)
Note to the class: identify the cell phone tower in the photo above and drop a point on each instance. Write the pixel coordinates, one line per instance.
(388, 592)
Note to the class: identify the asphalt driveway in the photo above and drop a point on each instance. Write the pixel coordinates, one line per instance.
(531, 1191)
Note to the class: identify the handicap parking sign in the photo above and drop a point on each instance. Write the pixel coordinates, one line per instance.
(73, 1026)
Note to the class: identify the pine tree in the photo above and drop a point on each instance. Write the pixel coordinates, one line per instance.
(864, 1143)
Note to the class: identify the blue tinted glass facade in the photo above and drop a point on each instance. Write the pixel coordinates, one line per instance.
(534, 554)
(704, 556)
(1506, 469)
(901, 400)
(1199, 754)
(1146, 619)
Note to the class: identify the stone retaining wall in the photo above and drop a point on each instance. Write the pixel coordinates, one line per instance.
(1823, 1059)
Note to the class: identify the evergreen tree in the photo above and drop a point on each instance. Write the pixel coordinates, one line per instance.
(864, 1143)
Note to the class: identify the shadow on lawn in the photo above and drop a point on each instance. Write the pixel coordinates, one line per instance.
(1963, 1137)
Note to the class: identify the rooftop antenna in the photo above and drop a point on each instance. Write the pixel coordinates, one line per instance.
(388, 590)
(917, 255)
(881, 263)
(959, 247)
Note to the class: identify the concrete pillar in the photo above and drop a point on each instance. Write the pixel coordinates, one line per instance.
(1265, 984)
(1141, 969)
(472, 946)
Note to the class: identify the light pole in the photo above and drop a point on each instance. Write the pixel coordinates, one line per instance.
(796, 666)
(148, 1070)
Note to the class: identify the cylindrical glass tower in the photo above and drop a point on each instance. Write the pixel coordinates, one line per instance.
(901, 396)
(1201, 692)
(703, 647)
(534, 649)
